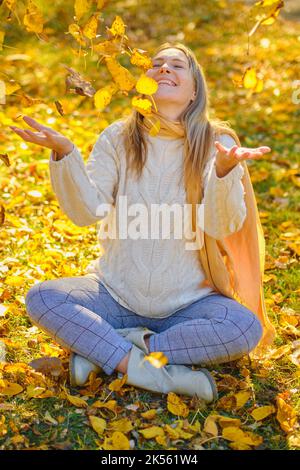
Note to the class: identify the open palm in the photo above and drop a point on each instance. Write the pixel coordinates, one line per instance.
(46, 137)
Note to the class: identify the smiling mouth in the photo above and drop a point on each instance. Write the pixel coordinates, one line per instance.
(167, 84)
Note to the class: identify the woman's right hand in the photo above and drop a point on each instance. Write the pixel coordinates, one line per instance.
(46, 137)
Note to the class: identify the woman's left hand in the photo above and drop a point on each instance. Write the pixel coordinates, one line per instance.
(228, 158)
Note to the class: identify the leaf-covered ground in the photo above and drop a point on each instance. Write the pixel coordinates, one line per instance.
(259, 401)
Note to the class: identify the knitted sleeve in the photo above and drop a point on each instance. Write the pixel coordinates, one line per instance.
(222, 210)
(81, 189)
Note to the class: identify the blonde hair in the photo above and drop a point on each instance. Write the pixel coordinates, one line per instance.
(200, 131)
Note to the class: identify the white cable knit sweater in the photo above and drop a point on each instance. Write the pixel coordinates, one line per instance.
(151, 277)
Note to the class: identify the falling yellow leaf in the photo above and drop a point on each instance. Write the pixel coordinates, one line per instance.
(286, 415)
(262, 412)
(33, 19)
(75, 30)
(146, 85)
(81, 7)
(176, 406)
(142, 105)
(157, 359)
(98, 424)
(140, 60)
(250, 78)
(103, 97)
(121, 76)
(118, 27)
(153, 431)
(90, 29)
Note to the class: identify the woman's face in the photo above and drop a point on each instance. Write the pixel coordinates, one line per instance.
(176, 85)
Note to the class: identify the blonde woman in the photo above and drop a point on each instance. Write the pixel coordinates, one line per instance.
(148, 294)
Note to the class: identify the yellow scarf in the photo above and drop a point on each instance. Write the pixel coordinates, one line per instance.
(234, 266)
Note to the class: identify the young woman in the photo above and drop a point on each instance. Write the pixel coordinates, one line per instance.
(150, 294)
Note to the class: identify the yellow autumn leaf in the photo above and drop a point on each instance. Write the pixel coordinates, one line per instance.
(146, 85)
(118, 441)
(183, 434)
(157, 359)
(142, 105)
(265, 3)
(90, 29)
(98, 424)
(81, 7)
(239, 436)
(33, 19)
(75, 30)
(172, 432)
(76, 401)
(225, 421)
(123, 425)
(161, 440)
(103, 97)
(10, 4)
(241, 398)
(121, 76)
(176, 406)
(271, 19)
(210, 426)
(15, 281)
(150, 414)
(117, 384)
(33, 391)
(262, 412)
(118, 27)
(286, 415)
(9, 388)
(110, 404)
(250, 78)
(140, 60)
(107, 48)
(2, 34)
(153, 431)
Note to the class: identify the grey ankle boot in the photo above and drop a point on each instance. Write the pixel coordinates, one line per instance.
(137, 336)
(170, 378)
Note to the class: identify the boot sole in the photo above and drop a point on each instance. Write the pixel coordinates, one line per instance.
(212, 383)
(72, 370)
